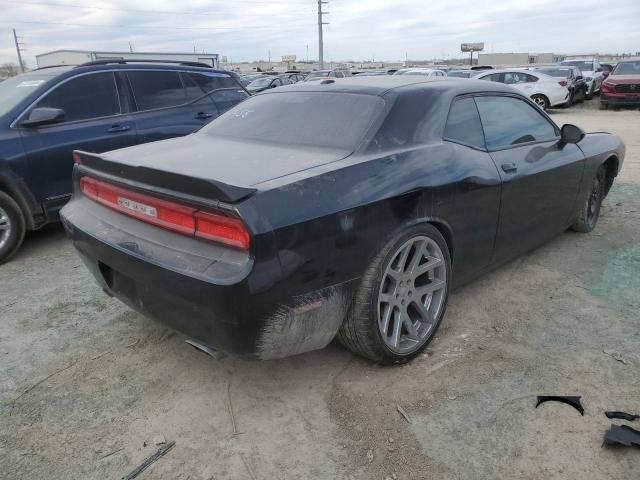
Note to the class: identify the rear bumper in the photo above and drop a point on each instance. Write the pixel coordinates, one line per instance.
(245, 311)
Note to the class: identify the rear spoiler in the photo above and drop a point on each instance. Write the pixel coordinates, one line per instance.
(200, 187)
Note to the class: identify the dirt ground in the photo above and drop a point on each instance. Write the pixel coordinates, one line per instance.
(86, 383)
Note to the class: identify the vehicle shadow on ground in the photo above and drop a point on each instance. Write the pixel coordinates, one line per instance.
(35, 242)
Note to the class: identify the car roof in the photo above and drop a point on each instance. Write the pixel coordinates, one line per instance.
(379, 85)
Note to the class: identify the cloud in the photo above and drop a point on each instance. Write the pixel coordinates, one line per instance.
(359, 29)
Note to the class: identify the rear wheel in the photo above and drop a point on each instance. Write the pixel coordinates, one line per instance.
(402, 298)
(12, 227)
(590, 208)
(541, 101)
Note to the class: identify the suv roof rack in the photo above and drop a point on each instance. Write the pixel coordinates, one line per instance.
(51, 66)
(122, 62)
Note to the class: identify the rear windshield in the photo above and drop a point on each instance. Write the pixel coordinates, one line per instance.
(331, 120)
(459, 73)
(627, 68)
(16, 89)
(556, 72)
(585, 66)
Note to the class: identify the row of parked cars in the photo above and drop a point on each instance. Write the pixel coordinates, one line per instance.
(617, 84)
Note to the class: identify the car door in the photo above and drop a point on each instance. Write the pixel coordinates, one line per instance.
(540, 175)
(165, 106)
(95, 121)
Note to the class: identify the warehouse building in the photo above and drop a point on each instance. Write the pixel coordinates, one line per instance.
(76, 57)
(518, 59)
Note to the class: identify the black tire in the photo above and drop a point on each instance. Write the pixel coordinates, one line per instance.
(589, 210)
(541, 101)
(359, 332)
(10, 216)
(582, 95)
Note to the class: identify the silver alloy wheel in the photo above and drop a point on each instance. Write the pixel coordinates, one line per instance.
(540, 102)
(5, 227)
(412, 294)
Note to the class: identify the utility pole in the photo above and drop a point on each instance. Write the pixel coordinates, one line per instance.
(15, 39)
(320, 41)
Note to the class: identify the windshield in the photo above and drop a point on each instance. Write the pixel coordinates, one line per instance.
(627, 68)
(300, 118)
(260, 82)
(556, 72)
(583, 65)
(15, 89)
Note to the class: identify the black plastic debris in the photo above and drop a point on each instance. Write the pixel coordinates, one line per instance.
(622, 435)
(630, 417)
(572, 401)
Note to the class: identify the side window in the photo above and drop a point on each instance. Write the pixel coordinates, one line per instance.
(209, 83)
(530, 78)
(277, 82)
(157, 89)
(511, 78)
(192, 89)
(339, 74)
(509, 121)
(463, 125)
(225, 99)
(85, 97)
(494, 77)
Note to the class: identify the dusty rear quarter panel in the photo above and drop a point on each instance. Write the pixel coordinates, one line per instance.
(598, 148)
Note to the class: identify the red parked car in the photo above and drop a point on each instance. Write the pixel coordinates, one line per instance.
(622, 87)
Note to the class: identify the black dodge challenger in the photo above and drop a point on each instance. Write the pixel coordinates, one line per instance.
(344, 208)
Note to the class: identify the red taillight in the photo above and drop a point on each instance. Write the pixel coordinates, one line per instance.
(166, 214)
(229, 231)
(563, 83)
(76, 158)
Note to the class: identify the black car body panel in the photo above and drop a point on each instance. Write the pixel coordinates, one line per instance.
(317, 222)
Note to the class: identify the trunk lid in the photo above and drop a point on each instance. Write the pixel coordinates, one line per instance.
(207, 166)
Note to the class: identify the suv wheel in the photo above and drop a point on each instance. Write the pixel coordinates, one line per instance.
(12, 227)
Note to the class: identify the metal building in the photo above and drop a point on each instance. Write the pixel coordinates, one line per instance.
(76, 57)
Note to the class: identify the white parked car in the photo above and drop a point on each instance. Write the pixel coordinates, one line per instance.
(544, 90)
(427, 72)
(592, 72)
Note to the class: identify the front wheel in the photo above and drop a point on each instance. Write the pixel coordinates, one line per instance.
(590, 209)
(401, 299)
(541, 101)
(12, 227)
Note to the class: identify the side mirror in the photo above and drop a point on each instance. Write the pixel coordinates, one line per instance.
(571, 134)
(606, 73)
(273, 85)
(579, 77)
(599, 69)
(43, 116)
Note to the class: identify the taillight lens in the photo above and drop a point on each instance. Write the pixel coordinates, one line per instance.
(563, 83)
(230, 231)
(76, 158)
(169, 215)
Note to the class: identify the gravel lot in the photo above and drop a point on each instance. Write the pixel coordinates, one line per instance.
(86, 383)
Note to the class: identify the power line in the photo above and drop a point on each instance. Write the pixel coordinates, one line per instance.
(135, 10)
(164, 27)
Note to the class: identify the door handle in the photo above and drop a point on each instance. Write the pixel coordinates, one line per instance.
(119, 128)
(203, 115)
(509, 168)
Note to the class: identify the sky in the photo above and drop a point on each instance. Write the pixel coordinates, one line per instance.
(246, 30)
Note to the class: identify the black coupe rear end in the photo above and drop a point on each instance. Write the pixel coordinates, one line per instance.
(321, 209)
